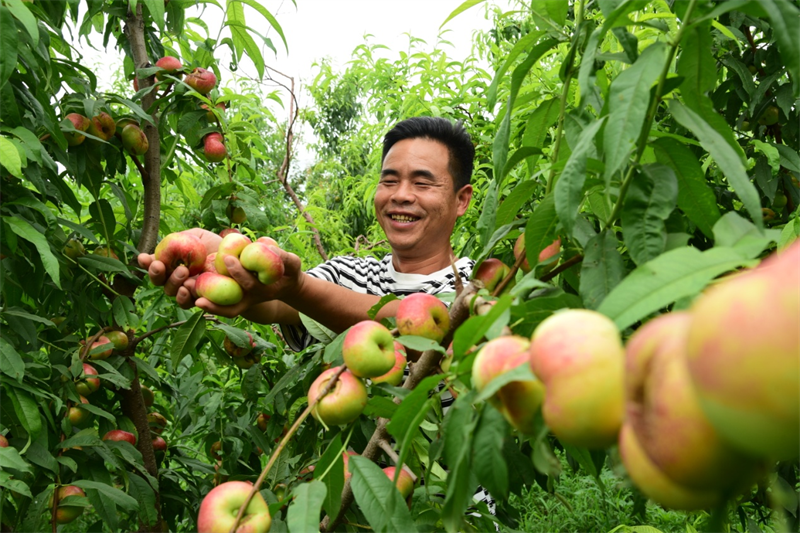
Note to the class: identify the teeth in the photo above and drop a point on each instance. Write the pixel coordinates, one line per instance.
(403, 218)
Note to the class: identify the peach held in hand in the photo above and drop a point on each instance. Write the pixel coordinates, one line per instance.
(343, 404)
(518, 401)
(261, 260)
(423, 315)
(578, 355)
(181, 249)
(368, 349)
(218, 289)
(232, 244)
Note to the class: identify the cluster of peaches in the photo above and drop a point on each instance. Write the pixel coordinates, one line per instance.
(213, 278)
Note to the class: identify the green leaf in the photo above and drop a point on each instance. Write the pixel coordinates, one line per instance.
(728, 160)
(27, 411)
(23, 14)
(85, 437)
(9, 156)
(410, 407)
(380, 406)
(733, 231)
(303, 513)
(513, 203)
(378, 498)
(146, 499)
(373, 311)
(487, 456)
(11, 362)
(520, 373)
(460, 9)
(679, 273)
(104, 264)
(104, 506)
(8, 59)
(582, 456)
(473, 330)
(20, 487)
(271, 19)
(334, 349)
(602, 269)
(187, 337)
(651, 198)
(10, 458)
(115, 495)
(784, 17)
(125, 313)
(569, 187)
(520, 46)
(745, 77)
(540, 232)
(38, 455)
(420, 344)
(486, 222)
(156, 9)
(540, 120)
(241, 34)
(330, 471)
(628, 100)
(520, 155)
(695, 197)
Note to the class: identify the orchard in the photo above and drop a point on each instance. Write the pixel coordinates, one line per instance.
(625, 356)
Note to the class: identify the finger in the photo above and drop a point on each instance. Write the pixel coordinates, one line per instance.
(176, 280)
(184, 298)
(145, 260)
(229, 311)
(243, 277)
(291, 262)
(157, 272)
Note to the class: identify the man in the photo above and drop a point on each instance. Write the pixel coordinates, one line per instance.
(424, 187)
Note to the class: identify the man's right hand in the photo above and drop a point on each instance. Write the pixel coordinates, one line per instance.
(174, 284)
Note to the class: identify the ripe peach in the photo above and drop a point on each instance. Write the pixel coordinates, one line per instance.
(134, 140)
(74, 249)
(214, 147)
(654, 483)
(368, 349)
(743, 357)
(423, 315)
(491, 272)
(102, 354)
(220, 506)
(88, 384)
(238, 351)
(201, 80)
(159, 444)
(118, 338)
(518, 401)
(105, 251)
(67, 513)
(218, 289)
(578, 355)
(120, 435)
(236, 214)
(80, 123)
(102, 126)
(405, 483)
(547, 253)
(269, 241)
(226, 231)
(181, 249)
(233, 245)
(395, 376)
(664, 412)
(3, 441)
(343, 404)
(171, 65)
(259, 259)
(157, 422)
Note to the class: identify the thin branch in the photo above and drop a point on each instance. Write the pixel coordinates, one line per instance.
(328, 387)
(574, 260)
(510, 276)
(137, 340)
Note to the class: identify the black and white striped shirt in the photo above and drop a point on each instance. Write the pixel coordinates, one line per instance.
(368, 275)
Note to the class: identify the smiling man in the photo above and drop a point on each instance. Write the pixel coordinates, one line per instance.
(424, 187)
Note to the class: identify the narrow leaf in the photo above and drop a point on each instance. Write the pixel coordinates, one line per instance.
(540, 232)
(303, 513)
(8, 61)
(651, 198)
(187, 337)
(378, 498)
(11, 362)
(602, 269)
(785, 19)
(487, 457)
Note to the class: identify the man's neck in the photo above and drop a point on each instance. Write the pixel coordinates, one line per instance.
(409, 264)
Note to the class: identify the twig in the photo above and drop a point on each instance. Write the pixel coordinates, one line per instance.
(574, 260)
(150, 333)
(282, 445)
(427, 363)
(513, 272)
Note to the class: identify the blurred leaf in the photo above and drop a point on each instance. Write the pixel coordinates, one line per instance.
(113, 494)
(145, 498)
(23, 14)
(421, 344)
(733, 231)
(156, 9)
(540, 232)
(10, 458)
(410, 407)
(679, 273)
(29, 233)
(519, 373)
(303, 514)
(783, 16)
(11, 362)
(8, 60)
(26, 410)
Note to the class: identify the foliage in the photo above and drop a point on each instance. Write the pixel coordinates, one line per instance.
(657, 140)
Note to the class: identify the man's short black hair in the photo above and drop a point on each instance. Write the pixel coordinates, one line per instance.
(453, 136)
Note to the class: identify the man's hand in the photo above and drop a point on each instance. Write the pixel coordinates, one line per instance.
(255, 292)
(174, 284)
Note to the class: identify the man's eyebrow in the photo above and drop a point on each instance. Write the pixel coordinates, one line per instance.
(420, 173)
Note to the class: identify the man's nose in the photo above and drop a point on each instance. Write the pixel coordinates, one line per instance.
(404, 192)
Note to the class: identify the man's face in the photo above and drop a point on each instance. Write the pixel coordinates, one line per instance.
(415, 202)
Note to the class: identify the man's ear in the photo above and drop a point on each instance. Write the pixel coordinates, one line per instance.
(463, 197)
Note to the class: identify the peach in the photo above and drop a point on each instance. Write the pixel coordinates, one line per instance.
(120, 435)
(214, 147)
(67, 513)
(134, 140)
(491, 272)
(88, 384)
(238, 351)
(171, 65)
(395, 376)
(663, 409)
(262, 261)
(368, 349)
(654, 483)
(220, 507)
(95, 354)
(578, 355)
(218, 289)
(80, 123)
(423, 315)
(343, 404)
(518, 401)
(201, 80)
(209, 264)
(102, 126)
(743, 359)
(232, 245)
(181, 248)
(405, 483)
